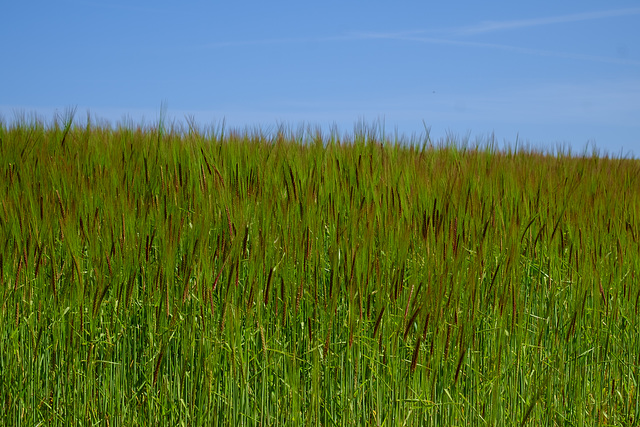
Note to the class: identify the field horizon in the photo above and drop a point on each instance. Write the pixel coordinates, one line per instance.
(377, 129)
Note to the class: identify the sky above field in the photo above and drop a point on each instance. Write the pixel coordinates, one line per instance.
(543, 74)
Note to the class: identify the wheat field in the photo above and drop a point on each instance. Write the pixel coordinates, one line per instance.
(174, 276)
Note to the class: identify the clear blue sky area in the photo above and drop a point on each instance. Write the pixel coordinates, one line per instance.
(547, 73)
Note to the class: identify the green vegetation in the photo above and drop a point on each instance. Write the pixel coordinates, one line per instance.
(152, 276)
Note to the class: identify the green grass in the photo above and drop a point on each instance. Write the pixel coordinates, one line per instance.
(156, 276)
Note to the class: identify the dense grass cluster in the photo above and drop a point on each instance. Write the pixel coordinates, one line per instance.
(157, 277)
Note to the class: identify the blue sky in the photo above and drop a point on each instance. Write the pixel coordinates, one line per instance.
(548, 73)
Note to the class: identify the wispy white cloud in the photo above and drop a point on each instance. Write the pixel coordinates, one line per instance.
(124, 6)
(276, 41)
(452, 36)
(412, 37)
(490, 26)
(483, 27)
(516, 49)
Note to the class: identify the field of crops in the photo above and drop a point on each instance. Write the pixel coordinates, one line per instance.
(159, 276)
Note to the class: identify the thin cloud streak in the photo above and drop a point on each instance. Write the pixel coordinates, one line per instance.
(491, 26)
(276, 41)
(526, 51)
(115, 6)
(485, 27)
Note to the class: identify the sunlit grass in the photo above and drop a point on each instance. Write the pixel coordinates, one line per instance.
(180, 277)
